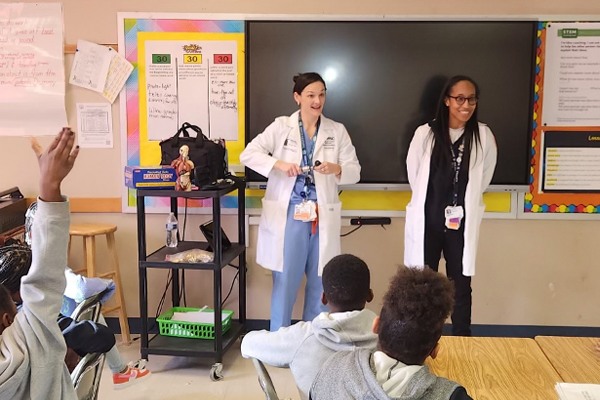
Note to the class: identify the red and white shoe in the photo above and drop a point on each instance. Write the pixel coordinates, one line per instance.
(135, 372)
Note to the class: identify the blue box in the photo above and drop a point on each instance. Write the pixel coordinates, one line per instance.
(159, 177)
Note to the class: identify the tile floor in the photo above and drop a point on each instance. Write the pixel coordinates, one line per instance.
(188, 379)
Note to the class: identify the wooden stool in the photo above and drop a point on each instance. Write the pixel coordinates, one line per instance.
(89, 233)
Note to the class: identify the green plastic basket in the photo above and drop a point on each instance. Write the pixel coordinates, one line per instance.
(192, 330)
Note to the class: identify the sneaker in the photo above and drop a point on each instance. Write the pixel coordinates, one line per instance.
(135, 372)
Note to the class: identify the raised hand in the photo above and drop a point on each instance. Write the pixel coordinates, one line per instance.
(55, 163)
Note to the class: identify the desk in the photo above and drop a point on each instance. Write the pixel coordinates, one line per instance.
(508, 394)
(496, 368)
(575, 358)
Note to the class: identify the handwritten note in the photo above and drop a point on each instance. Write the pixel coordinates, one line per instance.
(193, 82)
(32, 79)
(99, 68)
(90, 66)
(224, 101)
(118, 72)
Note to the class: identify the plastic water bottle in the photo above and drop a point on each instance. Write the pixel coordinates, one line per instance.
(172, 228)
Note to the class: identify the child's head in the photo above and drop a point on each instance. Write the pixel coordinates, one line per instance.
(15, 262)
(8, 310)
(418, 302)
(346, 284)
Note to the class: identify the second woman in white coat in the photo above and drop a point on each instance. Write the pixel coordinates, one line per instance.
(450, 164)
(292, 243)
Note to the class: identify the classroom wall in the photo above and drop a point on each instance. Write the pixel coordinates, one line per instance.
(529, 272)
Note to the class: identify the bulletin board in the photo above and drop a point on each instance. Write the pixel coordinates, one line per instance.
(549, 193)
(137, 31)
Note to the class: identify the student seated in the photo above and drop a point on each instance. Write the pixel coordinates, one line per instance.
(79, 336)
(82, 337)
(305, 346)
(418, 302)
(32, 348)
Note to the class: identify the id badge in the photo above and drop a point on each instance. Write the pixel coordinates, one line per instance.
(454, 216)
(305, 211)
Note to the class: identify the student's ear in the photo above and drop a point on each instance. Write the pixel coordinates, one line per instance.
(435, 351)
(323, 299)
(376, 325)
(371, 296)
(447, 102)
(7, 320)
(297, 98)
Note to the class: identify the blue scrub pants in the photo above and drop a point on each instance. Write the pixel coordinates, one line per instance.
(300, 256)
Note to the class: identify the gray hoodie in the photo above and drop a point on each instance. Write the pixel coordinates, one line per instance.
(350, 375)
(32, 349)
(304, 347)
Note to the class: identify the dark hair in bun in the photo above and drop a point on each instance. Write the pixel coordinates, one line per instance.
(303, 80)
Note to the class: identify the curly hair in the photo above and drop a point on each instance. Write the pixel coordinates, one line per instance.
(415, 307)
(347, 282)
(15, 262)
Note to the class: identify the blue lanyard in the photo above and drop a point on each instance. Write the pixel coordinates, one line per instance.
(306, 157)
(456, 164)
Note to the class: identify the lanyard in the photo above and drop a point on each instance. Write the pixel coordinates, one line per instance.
(306, 157)
(456, 164)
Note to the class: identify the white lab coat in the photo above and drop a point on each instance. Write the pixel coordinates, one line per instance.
(281, 139)
(481, 170)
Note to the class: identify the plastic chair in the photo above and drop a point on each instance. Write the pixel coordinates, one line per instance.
(264, 379)
(87, 373)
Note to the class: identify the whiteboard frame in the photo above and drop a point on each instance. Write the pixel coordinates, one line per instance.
(517, 202)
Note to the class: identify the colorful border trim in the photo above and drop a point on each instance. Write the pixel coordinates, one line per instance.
(531, 206)
(131, 28)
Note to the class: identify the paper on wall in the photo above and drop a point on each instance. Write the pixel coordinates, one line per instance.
(94, 125)
(32, 80)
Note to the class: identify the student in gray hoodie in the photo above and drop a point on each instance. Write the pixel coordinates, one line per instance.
(305, 346)
(415, 307)
(32, 348)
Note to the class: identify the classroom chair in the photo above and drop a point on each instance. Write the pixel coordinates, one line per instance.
(264, 379)
(88, 371)
(89, 232)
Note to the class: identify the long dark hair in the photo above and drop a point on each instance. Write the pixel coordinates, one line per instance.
(441, 128)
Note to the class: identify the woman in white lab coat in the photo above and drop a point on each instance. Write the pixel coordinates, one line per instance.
(300, 224)
(450, 163)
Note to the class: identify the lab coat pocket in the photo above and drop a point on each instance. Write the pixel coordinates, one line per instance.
(330, 227)
(273, 216)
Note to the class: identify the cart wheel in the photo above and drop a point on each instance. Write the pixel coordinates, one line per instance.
(216, 372)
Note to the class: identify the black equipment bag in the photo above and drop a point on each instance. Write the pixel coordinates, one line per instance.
(208, 156)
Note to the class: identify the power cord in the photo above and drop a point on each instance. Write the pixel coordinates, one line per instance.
(352, 231)
(161, 303)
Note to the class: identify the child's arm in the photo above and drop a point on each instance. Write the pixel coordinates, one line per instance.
(277, 349)
(43, 286)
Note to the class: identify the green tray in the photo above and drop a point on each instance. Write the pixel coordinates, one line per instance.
(193, 330)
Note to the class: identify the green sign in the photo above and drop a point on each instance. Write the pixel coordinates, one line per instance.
(573, 33)
(161, 59)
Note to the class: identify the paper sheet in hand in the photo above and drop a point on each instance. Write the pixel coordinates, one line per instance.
(198, 317)
(578, 391)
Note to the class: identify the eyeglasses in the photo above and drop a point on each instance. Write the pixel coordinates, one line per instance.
(460, 100)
